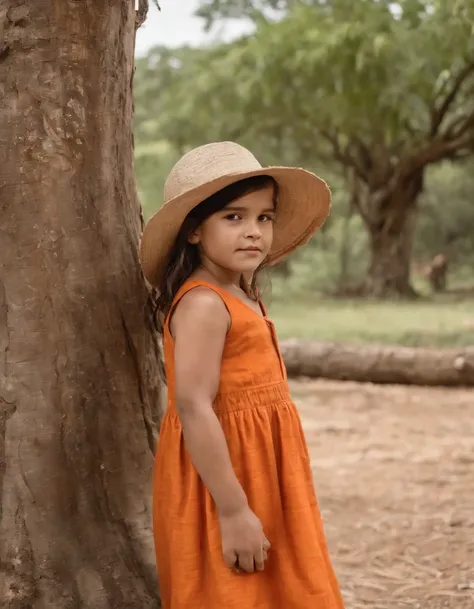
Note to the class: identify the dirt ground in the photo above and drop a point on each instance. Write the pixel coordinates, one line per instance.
(394, 473)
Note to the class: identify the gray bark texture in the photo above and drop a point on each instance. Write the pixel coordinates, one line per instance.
(79, 381)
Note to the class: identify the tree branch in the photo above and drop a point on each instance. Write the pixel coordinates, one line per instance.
(437, 150)
(358, 200)
(142, 12)
(460, 125)
(343, 155)
(363, 153)
(438, 113)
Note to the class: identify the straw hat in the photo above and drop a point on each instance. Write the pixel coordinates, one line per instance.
(303, 205)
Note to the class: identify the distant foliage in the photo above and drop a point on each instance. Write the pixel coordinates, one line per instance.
(377, 91)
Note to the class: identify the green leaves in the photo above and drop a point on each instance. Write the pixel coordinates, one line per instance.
(369, 75)
(212, 10)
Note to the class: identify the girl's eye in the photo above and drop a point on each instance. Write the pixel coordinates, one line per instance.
(232, 217)
(267, 218)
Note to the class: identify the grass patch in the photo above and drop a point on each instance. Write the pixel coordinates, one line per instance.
(444, 322)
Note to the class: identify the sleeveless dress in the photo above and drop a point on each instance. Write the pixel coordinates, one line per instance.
(270, 458)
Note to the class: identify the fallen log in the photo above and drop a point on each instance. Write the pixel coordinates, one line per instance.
(379, 364)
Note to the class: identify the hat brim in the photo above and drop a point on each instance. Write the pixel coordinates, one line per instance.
(303, 205)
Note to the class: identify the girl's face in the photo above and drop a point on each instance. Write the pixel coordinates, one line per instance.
(239, 237)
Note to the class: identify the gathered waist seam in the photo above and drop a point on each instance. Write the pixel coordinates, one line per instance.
(259, 396)
(271, 386)
(246, 406)
(252, 397)
(172, 415)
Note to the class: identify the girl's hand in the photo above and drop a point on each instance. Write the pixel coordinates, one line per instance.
(244, 544)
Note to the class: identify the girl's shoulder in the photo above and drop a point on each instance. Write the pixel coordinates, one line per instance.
(198, 299)
(199, 303)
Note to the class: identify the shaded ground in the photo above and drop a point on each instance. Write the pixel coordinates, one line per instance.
(394, 471)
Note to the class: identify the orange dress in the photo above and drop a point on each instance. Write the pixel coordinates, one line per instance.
(270, 458)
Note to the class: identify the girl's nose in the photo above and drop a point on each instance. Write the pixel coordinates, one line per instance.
(252, 230)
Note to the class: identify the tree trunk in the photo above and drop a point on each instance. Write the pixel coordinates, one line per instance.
(391, 222)
(390, 259)
(374, 364)
(79, 387)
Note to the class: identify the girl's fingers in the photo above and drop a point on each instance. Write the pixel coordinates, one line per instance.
(230, 559)
(246, 562)
(259, 559)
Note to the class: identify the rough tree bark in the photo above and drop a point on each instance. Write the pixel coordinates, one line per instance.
(373, 364)
(78, 358)
(390, 219)
(390, 257)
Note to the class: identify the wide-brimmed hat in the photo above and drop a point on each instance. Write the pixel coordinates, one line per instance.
(303, 202)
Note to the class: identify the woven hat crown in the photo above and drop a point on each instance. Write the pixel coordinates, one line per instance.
(206, 164)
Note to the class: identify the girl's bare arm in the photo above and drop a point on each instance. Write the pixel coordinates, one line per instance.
(199, 327)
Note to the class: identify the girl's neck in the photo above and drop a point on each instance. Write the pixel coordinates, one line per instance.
(221, 276)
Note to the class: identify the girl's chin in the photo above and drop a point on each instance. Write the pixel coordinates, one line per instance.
(248, 268)
(249, 259)
(244, 264)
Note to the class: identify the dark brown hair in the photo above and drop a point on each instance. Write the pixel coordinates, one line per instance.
(183, 258)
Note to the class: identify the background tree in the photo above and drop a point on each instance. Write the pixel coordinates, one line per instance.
(79, 388)
(380, 89)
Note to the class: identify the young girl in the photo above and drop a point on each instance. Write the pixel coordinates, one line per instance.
(236, 521)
